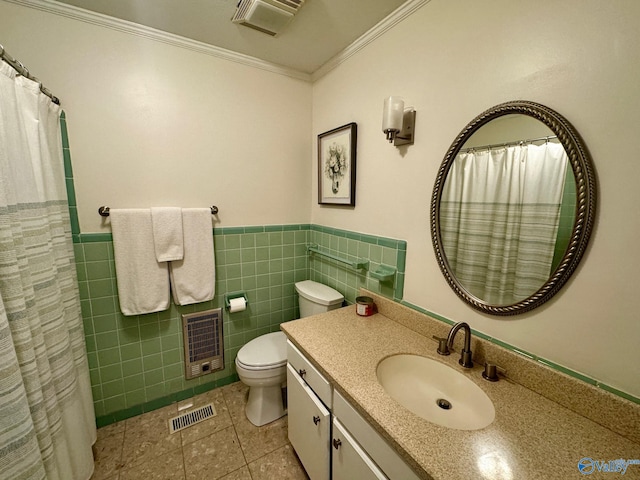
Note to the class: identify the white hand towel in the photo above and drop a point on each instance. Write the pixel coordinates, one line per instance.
(193, 279)
(143, 283)
(167, 233)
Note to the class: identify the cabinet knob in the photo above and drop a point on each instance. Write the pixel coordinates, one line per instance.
(302, 372)
(336, 443)
(316, 419)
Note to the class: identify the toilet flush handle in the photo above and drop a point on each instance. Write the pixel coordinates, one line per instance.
(302, 372)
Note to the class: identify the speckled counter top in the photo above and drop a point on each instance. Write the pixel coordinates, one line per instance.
(531, 437)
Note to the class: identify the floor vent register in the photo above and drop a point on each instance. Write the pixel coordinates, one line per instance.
(191, 418)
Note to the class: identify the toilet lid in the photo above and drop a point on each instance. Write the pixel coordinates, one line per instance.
(264, 351)
(318, 292)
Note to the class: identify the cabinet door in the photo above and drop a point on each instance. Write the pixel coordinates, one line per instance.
(349, 460)
(309, 426)
(386, 458)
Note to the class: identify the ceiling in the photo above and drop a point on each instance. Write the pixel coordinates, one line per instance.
(320, 30)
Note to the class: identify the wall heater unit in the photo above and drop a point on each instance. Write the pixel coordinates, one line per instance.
(267, 16)
(203, 342)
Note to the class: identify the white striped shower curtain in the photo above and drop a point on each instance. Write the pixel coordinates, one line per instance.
(47, 422)
(499, 216)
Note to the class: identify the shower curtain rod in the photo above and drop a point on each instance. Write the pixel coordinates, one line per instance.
(24, 71)
(508, 144)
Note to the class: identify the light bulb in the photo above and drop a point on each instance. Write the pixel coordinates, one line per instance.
(392, 115)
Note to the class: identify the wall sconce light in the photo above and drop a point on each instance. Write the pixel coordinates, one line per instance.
(398, 123)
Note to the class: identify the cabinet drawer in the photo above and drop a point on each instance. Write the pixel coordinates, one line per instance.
(309, 373)
(371, 441)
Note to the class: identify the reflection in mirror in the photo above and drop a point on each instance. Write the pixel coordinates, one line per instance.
(500, 212)
(510, 217)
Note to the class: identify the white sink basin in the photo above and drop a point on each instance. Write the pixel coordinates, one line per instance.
(435, 392)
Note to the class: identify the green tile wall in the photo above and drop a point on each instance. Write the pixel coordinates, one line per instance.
(136, 363)
(351, 246)
(138, 360)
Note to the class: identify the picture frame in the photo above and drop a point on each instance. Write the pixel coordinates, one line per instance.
(337, 166)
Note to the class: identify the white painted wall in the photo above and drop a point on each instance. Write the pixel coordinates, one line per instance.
(152, 124)
(453, 59)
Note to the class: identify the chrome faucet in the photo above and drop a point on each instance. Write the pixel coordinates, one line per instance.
(465, 356)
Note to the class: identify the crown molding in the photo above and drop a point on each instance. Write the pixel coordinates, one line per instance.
(86, 16)
(395, 17)
(94, 18)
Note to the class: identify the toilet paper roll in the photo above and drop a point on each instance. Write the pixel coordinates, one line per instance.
(237, 305)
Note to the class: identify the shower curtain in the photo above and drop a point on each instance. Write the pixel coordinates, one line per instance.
(499, 216)
(47, 422)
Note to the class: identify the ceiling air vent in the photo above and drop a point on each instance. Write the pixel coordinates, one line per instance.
(267, 16)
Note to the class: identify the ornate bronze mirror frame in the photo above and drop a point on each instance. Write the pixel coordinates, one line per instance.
(585, 207)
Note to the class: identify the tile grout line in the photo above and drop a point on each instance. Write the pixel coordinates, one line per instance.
(235, 431)
(184, 463)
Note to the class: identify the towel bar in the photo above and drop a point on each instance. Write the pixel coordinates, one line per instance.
(357, 263)
(104, 211)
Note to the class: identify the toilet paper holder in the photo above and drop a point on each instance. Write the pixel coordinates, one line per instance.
(229, 296)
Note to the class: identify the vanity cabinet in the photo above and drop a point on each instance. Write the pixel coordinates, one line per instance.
(332, 440)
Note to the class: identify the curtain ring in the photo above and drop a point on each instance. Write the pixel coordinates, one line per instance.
(24, 71)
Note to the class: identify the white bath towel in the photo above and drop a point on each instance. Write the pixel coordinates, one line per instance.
(167, 233)
(143, 283)
(193, 278)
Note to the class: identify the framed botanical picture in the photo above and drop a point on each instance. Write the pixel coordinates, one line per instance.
(337, 166)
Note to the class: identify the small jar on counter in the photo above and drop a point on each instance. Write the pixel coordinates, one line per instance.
(365, 306)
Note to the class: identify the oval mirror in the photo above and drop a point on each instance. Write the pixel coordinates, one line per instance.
(513, 207)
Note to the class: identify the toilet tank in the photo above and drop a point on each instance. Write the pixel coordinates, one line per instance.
(317, 298)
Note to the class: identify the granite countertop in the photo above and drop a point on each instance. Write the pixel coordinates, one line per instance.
(531, 437)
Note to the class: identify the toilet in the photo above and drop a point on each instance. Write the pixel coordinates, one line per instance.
(262, 363)
(262, 366)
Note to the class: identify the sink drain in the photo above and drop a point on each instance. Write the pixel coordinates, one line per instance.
(443, 404)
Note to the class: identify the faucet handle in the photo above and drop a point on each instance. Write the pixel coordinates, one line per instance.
(491, 372)
(443, 348)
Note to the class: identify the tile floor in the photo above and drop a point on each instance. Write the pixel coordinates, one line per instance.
(226, 446)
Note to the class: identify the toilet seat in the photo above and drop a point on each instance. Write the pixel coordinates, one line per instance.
(265, 352)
